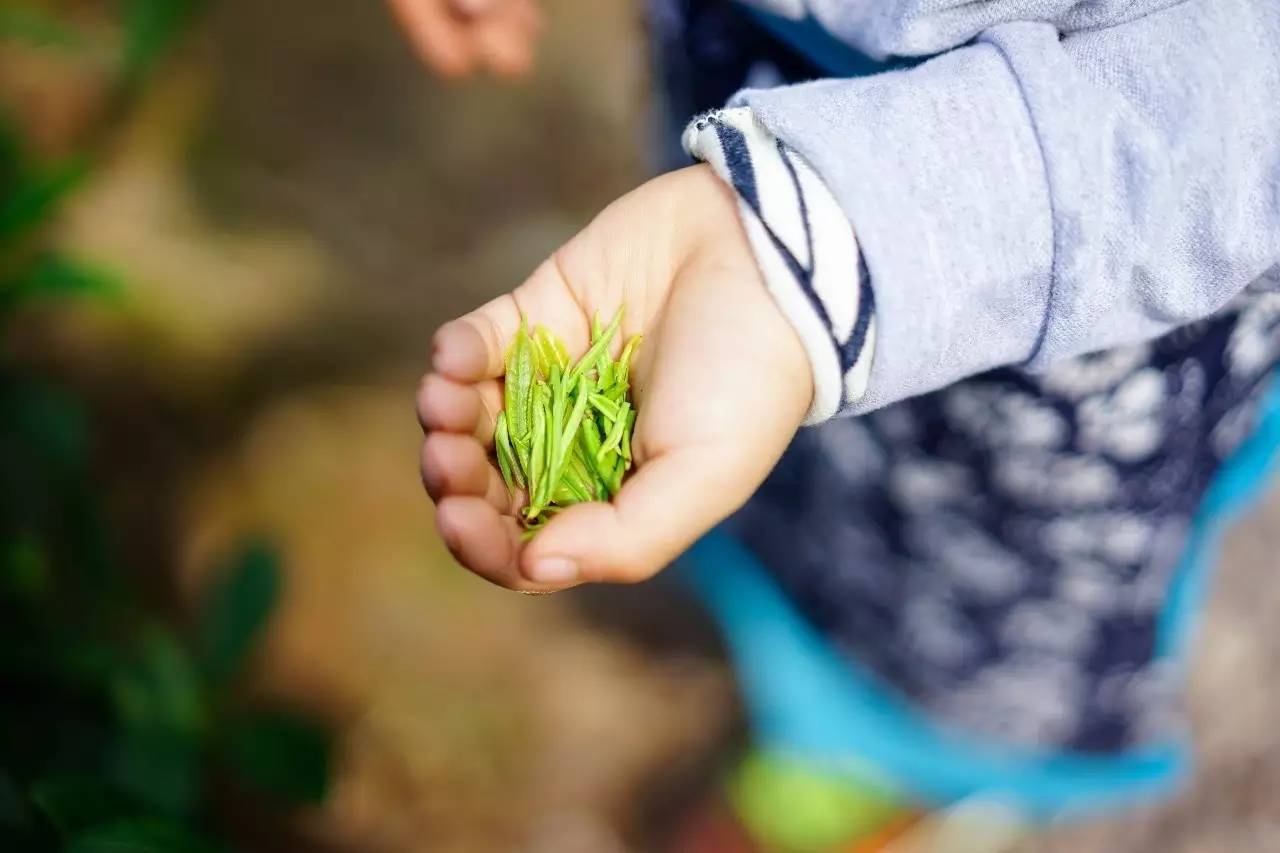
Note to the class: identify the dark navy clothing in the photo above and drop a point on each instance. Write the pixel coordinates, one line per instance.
(998, 551)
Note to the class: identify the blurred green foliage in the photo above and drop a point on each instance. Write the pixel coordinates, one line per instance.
(149, 27)
(34, 24)
(115, 726)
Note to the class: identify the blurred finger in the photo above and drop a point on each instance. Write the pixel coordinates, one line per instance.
(484, 541)
(473, 8)
(529, 13)
(456, 465)
(664, 508)
(473, 347)
(442, 40)
(506, 41)
(448, 406)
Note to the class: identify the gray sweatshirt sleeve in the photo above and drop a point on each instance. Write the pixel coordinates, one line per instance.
(883, 29)
(1044, 191)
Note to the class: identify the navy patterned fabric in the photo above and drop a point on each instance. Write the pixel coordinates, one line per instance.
(998, 551)
(704, 51)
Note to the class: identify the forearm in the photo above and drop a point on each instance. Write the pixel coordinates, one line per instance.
(1029, 198)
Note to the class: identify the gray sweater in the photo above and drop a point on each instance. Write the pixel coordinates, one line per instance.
(1059, 178)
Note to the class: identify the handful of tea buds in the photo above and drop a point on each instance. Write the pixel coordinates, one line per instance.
(564, 434)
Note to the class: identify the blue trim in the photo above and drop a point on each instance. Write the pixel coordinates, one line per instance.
(1236, 487)
(811, 40)
(807, 700)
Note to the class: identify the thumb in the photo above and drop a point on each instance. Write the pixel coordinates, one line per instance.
(664, 508)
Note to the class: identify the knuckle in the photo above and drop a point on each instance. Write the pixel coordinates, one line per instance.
(423, 401)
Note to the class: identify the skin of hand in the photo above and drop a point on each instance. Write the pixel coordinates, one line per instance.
(721, 385)
(457, 38)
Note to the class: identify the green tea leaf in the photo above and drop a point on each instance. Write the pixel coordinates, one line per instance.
(519, 387)
(511, 474)
(562, 354)
(237, 609)
(577, 487)
(615, 481)
(580, 475)
(614, 438)
(522, 450)
(605, 406)
(559, 398)
(541, 364)
(570, 435)
(579, 421)
(626, 437)
(548, 484)
(600, 345)
(622, 374)
(538, 456)
(591, 443)
(282, 755)
(552, 351)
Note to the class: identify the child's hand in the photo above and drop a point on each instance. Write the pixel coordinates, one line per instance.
(459, 37)
(721, 385)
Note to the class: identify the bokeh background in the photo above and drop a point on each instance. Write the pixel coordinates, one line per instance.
(226, 235)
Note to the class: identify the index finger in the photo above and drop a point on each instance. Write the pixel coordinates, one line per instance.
(437, 36)
(473, 347)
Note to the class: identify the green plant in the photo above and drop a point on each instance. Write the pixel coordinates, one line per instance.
(564, 434)
(115, 726)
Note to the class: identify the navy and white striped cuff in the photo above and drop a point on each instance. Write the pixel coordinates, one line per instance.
(805, 247)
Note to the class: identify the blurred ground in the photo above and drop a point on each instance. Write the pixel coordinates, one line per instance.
(299, 206)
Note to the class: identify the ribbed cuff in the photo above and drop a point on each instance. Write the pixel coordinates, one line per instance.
(805, 247)
(939, 170)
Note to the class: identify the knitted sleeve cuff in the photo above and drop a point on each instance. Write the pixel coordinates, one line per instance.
(805, 247)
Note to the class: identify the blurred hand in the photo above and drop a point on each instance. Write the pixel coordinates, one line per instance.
(721, 385)
(460, 37)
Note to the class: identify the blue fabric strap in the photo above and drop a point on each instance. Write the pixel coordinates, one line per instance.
(806, 699)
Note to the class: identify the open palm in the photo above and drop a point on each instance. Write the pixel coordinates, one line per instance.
(721, 384)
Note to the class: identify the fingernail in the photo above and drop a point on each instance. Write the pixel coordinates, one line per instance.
(437, 350)
(448, 352)
(554, 570)
(470, 7)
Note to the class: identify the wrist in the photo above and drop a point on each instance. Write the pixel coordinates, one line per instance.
(804, 248)
(719, 240)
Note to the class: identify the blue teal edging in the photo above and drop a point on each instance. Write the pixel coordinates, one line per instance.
(807, 700)
(1237, 486)
(811, 40)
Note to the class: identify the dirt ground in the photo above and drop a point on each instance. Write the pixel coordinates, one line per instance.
(299, 206)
